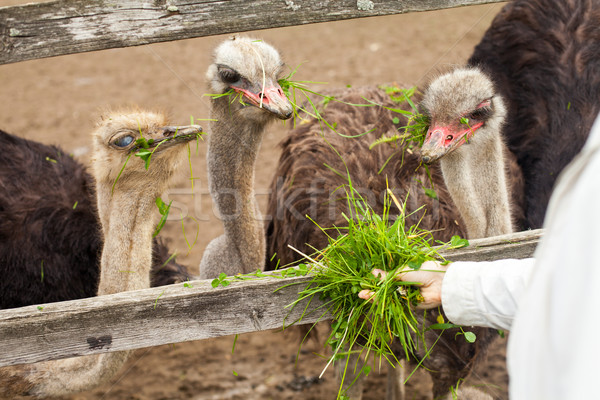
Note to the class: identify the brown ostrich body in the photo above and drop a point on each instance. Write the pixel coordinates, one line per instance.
(306, 184)
(128, 217)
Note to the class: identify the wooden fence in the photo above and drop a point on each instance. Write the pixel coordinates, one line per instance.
(178, 313)
(193, 311)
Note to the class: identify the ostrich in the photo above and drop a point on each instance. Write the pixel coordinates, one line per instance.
(127, 216)
(474, 196)
(543, 54)
(250, 69)
(50, 236)
(475, 174)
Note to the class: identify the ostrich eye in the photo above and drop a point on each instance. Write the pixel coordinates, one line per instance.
(481, 114)
(228, 75)
(124, 141)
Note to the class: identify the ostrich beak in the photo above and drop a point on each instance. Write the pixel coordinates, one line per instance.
(270, 97)
(169, 136)
(443, 139)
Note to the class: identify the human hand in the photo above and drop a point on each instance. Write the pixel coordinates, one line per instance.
(429, 279)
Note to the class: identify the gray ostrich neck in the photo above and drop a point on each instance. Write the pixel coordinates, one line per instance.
(232, 151)
(476, 179)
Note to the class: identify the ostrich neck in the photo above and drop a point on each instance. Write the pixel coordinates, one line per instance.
(476, 179)
(232, 151)
(127, 219)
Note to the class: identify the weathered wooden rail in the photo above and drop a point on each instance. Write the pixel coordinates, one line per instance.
(179, 313)
(75, 26)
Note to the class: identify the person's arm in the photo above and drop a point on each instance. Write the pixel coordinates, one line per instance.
(471, 293)
(484, 293)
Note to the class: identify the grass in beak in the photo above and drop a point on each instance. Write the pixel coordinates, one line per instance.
(145, 154)
(290, 87)
(232, 94)
(297, 92)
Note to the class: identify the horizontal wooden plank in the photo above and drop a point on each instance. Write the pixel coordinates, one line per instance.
(179, 313)
(515, 245)
(150, 317)
(75, 26)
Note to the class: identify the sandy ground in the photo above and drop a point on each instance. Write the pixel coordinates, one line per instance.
(56, 100)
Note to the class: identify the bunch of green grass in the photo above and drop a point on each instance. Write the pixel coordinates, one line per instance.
(344, 268)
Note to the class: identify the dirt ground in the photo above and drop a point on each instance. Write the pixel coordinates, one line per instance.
(55, 101)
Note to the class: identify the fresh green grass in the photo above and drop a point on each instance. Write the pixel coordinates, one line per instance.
(344, 268)
(368, 241)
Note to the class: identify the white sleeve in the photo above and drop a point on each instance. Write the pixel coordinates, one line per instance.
(553, 348)
(485, 293)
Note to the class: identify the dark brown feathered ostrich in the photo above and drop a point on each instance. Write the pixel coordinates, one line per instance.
(50, 236)
(127, 216)
(544, 56)
(471, 185)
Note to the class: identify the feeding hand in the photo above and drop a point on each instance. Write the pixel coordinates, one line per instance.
(429, 279)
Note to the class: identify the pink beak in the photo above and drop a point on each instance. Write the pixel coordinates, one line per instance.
(271, 98)
(441, 140)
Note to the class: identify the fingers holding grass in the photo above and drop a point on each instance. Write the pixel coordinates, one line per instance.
(366, 294)
(428, 278)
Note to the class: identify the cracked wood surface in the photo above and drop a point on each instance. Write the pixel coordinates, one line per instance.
(63, 27)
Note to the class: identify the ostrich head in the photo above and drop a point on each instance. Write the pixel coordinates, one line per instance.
(117, 140)
(251, 69)
(463, 108)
